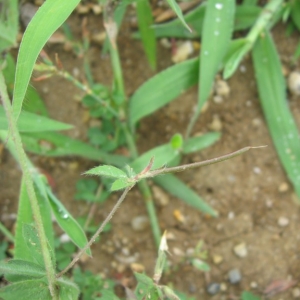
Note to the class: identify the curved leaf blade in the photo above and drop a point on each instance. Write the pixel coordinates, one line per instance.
(107, 171)
(272, 92)
(21, 268)
(162, 88)
(47, 19)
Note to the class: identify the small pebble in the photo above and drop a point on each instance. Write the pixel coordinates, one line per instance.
(223, 287)
(253, 285)
(283, 222)
(234, 276)
(217, 259)
(231, 215)
(216, 124)
(283, 187)
(296, 293)
(240, 250)
(213, 288)
(165, 43)
(140, 223)
(256, 170)
(222, 88)
(294, 83)
(179, 216)
(243, 69)
(136, 267)
(183, 52)
(161, 197)
(218, 99)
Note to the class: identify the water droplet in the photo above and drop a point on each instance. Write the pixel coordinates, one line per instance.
(205, 52)
(216, 33)
(219, 6)
(65, 216)
(218, 20)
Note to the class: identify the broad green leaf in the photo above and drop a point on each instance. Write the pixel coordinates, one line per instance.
(144, 279)
(249, 296)
(67, 223)
(176, 8)
(44, 23)
(176, 141)
(280, 121)
(162, 88)
(33, 103)
(22, 268)
(145, 288)
(295, 13)
(24, 218)
(67, 289)
(245, 16)
(120, 184)
(56, 144)
(31, 238)
(216, 34)
(145, 21)
(200, 142)
(163, 155)
(200, 265)
(9, 15)
(28, 289)
(178, 189)
(107, 171)
(29, 122)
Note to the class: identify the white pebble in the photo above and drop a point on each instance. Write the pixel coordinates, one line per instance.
(240, 250)
(139, 223)
(294, 83)
(222, 88)
(283, 221)
(183, 52)
(256, 170)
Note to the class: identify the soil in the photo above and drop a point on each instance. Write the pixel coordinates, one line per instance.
(246, 191)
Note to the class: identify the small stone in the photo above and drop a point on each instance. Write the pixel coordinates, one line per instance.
(165, 43)
(243, 69)
(179, 216)
(240, 250)
(222, 88)
(256, 170)
(218, 99)
(161, 197)
(178, 252)
(136, 267)
(253, 285)
(223, 287)
(283, 187)
(140, 223)
(234, 276)
(213, 288)
(231, 215)
(296, 293)
(183, 52)
(294, 83)
(283, 222)
(217, 259)
(216, 124)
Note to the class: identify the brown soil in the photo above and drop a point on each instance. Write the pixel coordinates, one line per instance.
(244, 190)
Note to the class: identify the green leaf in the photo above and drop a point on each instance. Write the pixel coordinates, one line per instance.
(29, 122)
(28, 289)
(145, 21)
(44, 23)
(162, 88)
(200, 265)
(67, 223)
(280, 121)
(56, 144)
(107, 171)
(145, 288)
(178, 12)
(245, 16)
(249, 296)
(9, 15)
(120, 184)
(295, 13)
(31, 238)
(176, 141)
(216, 34)
(178, 189)
(200, 142)
(163, 155)
(67, 289)
(22, 268)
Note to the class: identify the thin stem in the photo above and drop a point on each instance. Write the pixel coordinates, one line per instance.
(7, 233)
(100, 229)
(22, 158)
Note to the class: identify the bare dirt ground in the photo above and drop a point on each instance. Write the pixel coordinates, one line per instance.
(250, 192)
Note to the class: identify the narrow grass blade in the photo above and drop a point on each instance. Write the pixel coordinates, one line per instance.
(55, 144)
(178, 12)
(145, 21)
(162, 88)
(47, 19)
(179, 189)
(67, 223)
(295, 13)
(245, 16)
(29, 122)
(200, 142)
(216, 35)
(272, 92)
(9, 15)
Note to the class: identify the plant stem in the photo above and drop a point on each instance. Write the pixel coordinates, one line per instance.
(22, 158)
(100, 229)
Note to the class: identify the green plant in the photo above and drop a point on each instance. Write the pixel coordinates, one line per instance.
(33, 272)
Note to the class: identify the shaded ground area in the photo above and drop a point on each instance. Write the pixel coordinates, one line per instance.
(250, 192)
